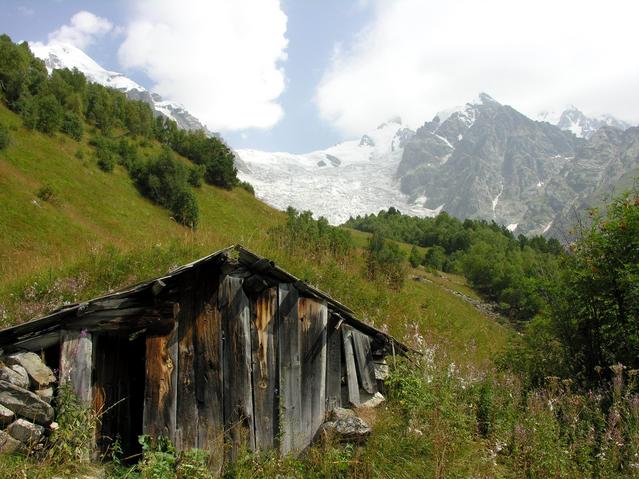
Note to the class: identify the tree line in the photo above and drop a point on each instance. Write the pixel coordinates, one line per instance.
(503, 267)
(65, 101)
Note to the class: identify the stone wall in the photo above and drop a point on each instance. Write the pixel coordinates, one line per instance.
(26, 391)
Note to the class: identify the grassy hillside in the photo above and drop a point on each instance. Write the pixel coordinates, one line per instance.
(450, 412)
(97, 223)
(90, 208)
(97, 233)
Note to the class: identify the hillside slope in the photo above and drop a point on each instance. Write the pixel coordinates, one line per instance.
(97, 227)
(90, 208)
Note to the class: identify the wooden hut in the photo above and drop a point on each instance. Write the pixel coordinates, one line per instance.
(227, 350)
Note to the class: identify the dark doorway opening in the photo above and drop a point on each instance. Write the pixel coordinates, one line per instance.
(118, 392)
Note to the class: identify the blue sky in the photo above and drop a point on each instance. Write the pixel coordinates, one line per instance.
(313, 28)
(299, 75)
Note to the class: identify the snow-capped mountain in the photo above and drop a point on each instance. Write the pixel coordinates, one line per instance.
(487, 160)
(351, 178)
(62, 55)
(575, 121)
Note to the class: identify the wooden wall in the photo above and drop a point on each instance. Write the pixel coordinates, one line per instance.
(257, 370)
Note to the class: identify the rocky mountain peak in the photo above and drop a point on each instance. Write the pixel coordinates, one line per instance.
(57, 55)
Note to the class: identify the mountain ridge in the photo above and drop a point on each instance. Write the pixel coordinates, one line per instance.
(479, 160)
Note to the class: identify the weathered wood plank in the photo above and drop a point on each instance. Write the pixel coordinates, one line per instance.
(238, 396)
(313, 317)
(208, 370)
(333, 364)
(265, 371)
(364, 359)
(290, 370)
(351, 370)
(160, 391)
(186, 411)
(76, 363)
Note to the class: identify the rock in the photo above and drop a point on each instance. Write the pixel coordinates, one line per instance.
(6, 416)
(26, 432)
(25, 403)
(374, 401)
(9, 445)
(45, 394)
(16, 375)
(347, 429)
(382, 371)
(341, 413)
(39, 373)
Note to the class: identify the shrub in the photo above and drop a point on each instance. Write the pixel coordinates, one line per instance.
(106, 160)
(435, 257)
(245, 185)
(316, 238)
(196, 175)
(46, 193)
(415, 258)
(71, 442)
(72, 125)
(385, 261)
(164, 181)
(49, 114)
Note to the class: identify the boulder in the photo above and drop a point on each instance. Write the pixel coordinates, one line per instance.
(9, 445)
(374, 401)
(39, 373)
(16, 375)
(347, 429)
(25, 403)
(341, 413)
(382, 370)
(26, 432)
(6, 416)
(45, 394)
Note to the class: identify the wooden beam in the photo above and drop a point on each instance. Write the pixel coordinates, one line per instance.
(186, 411)
(313, 317)
(364, 358)
(264, 332)
(290, 370)
(238, 394)
(351, 370)
(160, 391)
(333, 364)
(76, 363)
(208, 371)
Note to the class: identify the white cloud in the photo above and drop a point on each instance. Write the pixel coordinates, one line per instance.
(417, 57)
(221, 59)
(82, 30)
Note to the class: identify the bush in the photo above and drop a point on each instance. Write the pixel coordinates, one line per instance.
(72, 125)
(106, 160)
(71, 442)
(46, 193)
(435, 257)
(164, 181)
(385, 261)
(316, 238)
(196, 175)
(49, 114)
(415, 258)
(245, 185)
(4, 137)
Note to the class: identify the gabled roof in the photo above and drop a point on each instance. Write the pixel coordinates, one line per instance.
(135, 300)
